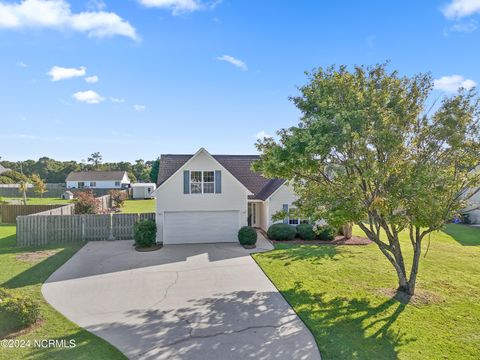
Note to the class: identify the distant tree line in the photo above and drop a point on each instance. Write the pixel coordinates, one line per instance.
(54, 171)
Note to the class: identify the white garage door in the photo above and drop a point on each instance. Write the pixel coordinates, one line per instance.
(200, 227)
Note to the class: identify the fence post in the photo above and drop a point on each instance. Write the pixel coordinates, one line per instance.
(83, 227)
(111, 237)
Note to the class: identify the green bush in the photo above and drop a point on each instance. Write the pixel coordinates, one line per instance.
(247, 235)
(305, 232)
(25, 310)
(281, 232)
(325, 232)
(145, 233)
(465, 218)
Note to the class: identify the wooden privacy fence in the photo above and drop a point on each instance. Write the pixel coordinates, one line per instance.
(42, 230)
(59, 210)
(104, 202)
(8, 213)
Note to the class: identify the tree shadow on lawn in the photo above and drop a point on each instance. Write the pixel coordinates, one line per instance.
(86, 347)
(350, 328)
(463, 234)
(314, 254)
(7, 242)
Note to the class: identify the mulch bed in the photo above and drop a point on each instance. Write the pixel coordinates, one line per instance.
(339, 240)
(151, 248)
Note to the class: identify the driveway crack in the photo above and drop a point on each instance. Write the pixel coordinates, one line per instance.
(220, 333)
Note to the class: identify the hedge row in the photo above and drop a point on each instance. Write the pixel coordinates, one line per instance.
(285, 232)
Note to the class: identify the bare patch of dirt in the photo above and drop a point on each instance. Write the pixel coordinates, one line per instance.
(35, 256)
(421, 297)
(339, 240)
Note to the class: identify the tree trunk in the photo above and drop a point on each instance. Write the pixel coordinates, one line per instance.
(417, 249)
(393, 253)
(347, 231)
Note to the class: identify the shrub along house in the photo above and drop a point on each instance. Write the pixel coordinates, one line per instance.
(204, 198)
(98, 180)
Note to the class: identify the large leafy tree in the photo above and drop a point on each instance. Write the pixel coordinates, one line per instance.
(369, 150)
(39, 186)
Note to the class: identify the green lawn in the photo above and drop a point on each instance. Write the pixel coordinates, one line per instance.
(138, 206)
(342, 294)
(26, 277)
(41, 201)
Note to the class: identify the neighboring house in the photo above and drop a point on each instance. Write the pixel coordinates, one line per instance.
(98, 180)
(3, 169)
(205, 198)
(143, 190)
(473, 208)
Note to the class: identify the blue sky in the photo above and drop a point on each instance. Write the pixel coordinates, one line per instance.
(177, 75)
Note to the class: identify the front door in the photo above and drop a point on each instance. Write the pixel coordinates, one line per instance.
(253, 214)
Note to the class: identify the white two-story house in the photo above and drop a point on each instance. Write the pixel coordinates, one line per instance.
(98, 180)
(204, 198)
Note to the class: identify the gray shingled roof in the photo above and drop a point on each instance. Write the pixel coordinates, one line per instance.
(96, 176)
(238, 165)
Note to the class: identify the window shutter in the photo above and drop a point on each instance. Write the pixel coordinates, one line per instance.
(218, 182)
(186, 182)
(285, 208)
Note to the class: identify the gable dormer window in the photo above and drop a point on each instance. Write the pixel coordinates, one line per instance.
(195, 182)
(202, 182)
(208, 182)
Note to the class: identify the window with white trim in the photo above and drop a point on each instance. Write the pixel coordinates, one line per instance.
(296, 220)
(202, 182)
(208, 182)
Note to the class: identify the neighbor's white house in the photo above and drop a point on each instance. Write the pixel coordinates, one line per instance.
(98, 180)
(204, 198)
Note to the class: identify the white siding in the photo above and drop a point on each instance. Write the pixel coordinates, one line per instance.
(170, 196)
(474, 203)
(284, 195)
(264, 217)
(140, 191)
(99, 184)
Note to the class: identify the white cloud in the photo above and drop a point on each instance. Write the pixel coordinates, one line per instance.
(467, 27)
(21, 64)
(461, 8)
(91, 79)
(56, 14)
(262, 134)
(60, 73)
(96, 5)
(178, 7)
(139, 108)
(117, 100)
(89, 97)
(234, 61)
(453, 82)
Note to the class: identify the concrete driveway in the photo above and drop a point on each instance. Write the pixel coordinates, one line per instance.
(205, 301)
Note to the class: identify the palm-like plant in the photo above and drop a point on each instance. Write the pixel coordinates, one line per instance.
(22, 189)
